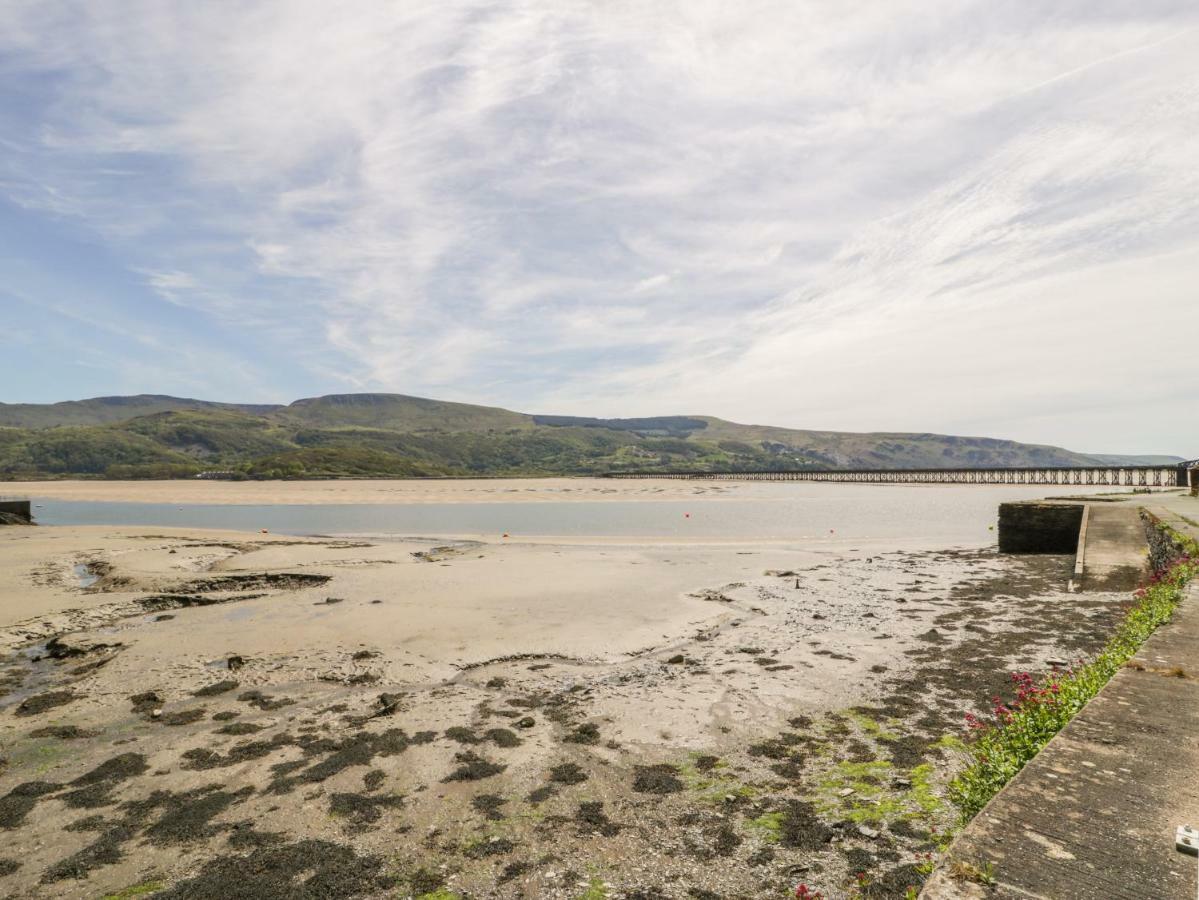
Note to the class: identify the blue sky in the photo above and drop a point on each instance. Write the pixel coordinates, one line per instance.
(964, 217)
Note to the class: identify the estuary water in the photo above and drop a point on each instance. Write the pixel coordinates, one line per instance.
(783, 511)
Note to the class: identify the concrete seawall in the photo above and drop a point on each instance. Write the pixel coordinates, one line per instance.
(1108, 540)
(1041, 527)
(16, 510)
(1094, 814)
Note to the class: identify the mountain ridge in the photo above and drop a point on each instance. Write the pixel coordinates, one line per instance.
(399, 435)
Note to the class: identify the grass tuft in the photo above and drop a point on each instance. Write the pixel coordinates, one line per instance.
(595, 890)
(136, 890)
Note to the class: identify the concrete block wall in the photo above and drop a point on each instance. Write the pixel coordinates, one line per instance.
(15, 509)
(1039, 527)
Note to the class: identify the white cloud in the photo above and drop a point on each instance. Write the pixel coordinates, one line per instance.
(793, 212)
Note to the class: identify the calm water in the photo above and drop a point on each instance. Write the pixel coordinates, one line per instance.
(950, 513)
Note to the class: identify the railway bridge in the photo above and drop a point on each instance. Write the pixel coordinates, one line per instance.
(1113, 476)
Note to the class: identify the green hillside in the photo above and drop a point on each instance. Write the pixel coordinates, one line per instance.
(104, 410)
(399, 413)
(876, 450)
(391, 435)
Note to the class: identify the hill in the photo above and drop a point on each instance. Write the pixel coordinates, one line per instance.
(398, 412)
(375, 435)
(103, 410)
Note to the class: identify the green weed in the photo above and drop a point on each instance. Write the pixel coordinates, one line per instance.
(1001, 748)
(136, 890)
(595, 890)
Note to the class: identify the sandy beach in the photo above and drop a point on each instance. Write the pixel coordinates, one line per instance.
(379, 491)
(193, 711)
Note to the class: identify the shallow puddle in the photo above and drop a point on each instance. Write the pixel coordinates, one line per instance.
(85, 576)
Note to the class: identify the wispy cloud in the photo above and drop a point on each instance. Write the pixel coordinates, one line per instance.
(799, 213)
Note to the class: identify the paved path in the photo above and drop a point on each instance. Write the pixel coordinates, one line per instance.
(1114, 550)
(1094, 814)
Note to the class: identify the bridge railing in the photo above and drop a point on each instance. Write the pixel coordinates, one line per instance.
(1109, 476)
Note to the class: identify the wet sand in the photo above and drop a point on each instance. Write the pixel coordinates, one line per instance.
(216, 712)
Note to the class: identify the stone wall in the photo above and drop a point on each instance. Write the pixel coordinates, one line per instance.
(1164, 551)
(1039, 527)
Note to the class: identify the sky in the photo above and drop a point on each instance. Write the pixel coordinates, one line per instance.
(961, 217)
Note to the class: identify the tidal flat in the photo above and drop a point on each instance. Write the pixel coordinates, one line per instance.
(198, 713)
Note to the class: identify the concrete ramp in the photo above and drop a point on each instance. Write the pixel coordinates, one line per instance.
(1113, 552)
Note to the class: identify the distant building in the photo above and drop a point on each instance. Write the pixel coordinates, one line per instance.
(216, 476)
